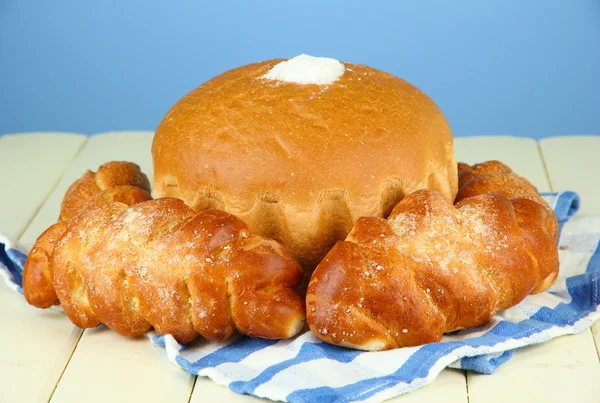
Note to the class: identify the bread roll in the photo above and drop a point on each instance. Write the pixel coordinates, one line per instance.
(109, 176)
(158, 264)
(37, 277)
(432, 267)
(302, 162)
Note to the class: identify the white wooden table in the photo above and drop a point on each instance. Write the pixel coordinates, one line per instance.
(43, 357)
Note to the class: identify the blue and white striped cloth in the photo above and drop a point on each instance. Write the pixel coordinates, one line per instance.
(306, 370)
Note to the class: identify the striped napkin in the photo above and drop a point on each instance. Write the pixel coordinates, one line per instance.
(305, 369)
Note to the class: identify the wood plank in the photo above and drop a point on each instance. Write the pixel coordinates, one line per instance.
(450, 384)
(206, 391)
(103, 363)
(521, 154)
(114, 146)
(574, 164)
(35, 345)
(561, 370)
(31, 165)
(596, 333)
(532, 372)
(121, 370)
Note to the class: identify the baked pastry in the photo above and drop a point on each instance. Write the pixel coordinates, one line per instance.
(136, 264)
(158, 264)
(299, 149)
(432, 267)
(108, 176)
(37, 277)
(115, 181)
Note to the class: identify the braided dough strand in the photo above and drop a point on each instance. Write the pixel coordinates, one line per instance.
(432, 267)
(158, 264)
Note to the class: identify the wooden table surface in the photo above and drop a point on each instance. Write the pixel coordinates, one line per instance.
(43, 357)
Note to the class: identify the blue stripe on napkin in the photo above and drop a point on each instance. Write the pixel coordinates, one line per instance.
(12, 261)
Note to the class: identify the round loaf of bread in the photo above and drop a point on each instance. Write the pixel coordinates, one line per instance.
(301, 157)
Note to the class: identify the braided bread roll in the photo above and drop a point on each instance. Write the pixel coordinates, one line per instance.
(37, 278)
(109, 175)
(157, 264)
(115, 181)
(432, 267)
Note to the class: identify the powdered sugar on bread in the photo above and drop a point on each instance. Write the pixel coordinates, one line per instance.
(305, 69)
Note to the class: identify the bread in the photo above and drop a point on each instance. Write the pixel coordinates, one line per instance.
(115, 181)
(108, 176)
(158, 264)
(37, 280)
(301, 162)
(494, 176)
(432, 267)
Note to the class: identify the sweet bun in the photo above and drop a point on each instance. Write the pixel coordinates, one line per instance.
(300, 150)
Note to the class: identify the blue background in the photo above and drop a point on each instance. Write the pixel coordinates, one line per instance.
(526, 68)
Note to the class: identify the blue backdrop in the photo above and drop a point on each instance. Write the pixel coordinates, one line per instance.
(526, 68)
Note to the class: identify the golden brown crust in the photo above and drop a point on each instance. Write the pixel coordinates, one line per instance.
(494, 176)
(159, 264)
(432, 268)
(115, 181)
(109, 175)
(287, 159)
(37, 277)
(126, 194)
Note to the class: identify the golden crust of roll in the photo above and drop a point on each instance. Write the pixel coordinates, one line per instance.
(108, 176)
(134, 264)
(114, 181)
(432, 267)
(160, 265)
